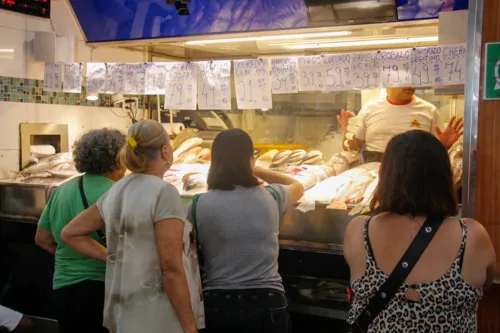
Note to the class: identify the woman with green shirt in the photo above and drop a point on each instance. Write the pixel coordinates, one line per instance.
(79, 280)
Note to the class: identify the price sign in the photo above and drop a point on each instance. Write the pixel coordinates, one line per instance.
(253, 84)
(115, 78)
(365, 70)
(181, 86)
(72, 78)
(135, 77)
(284, 75)
(396, 68)
(96, 78)
(214, 85)
(426, 66)
(155, 78)
(311, 73)
(337, 72)
(453, 64)
(53, 76)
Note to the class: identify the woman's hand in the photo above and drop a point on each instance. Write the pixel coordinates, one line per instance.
(452, 132)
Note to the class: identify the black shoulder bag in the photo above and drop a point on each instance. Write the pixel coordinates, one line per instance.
(101, 235)
(398, 275)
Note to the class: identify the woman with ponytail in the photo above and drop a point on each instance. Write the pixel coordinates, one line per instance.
(145, 220)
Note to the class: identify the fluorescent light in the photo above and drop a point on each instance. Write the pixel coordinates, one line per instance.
(364, 43)
(278, 37)
(6, 50)
(264, 110)
(92, 97)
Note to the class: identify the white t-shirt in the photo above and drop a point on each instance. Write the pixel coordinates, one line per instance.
(381, 121)
(9, 318)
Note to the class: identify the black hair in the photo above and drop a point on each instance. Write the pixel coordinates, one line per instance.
(415, 178)
(97, 152)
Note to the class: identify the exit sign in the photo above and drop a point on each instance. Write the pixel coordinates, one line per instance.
(492, 71)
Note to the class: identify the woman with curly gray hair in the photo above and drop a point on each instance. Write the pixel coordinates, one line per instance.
(79, 280)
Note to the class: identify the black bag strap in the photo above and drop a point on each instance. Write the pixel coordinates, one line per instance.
(398, 275)
(86, 205)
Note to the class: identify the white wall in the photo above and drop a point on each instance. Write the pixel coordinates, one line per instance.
(17, 32)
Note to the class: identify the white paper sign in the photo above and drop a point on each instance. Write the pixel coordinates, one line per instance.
(365, 70)
(155, 78)
(253, 84)
(337, 72)
(181, 82)
(214, 85)
(311, 73)
(453, 64)
(284, 75)
(426, 66)
(53, 76)
(96, 78)
(135, 77)
(72, 78)
(396, 68)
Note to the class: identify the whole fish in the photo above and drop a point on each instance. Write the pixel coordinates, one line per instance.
(312, 157)
(195, 182)
(48, 163)
(63, 173)
(182, 157)
(295, 157)
(280, 158)
(205, 154)
(187, 145)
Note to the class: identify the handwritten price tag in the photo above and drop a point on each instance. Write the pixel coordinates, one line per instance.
(214, 85)
(253, 84)
(135, 77)
(396, 68)
(72, 78)
(53, 76)
(337, 72)
(155, 78)
(284, 75)
(311, 73)
(115, 78)
(426, 66)
(453, 64)
(365, 70)
(181, 83)
(96, 78)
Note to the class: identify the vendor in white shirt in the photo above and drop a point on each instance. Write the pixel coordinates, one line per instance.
(399, 112)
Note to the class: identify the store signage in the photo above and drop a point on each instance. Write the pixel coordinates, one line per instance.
(492, 71)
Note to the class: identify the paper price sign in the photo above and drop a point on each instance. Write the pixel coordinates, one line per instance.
(135, 77)
(181, 82)
(214, 85)
(426, 66)
(284, 75)
(365, 70)
(155, 78)
(96, 78)
(337, 72)
(253, 84)
(396, 68)
(72, 78)
(311, 73)
(453, 64)
(53, 75)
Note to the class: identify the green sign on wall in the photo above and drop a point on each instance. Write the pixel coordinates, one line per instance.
(492, 71)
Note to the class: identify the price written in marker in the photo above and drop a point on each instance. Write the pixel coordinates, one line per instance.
(181, 85)
(53, 75)
(135, 77)
(115, 78)
(72, 78)
(253, 84)
(396, 68)
(426, 66)
(284, 75)
(214, 85)
(337, 72)
(96, 78)
(365, 70)
(155, 78)
(453, 64)
(311, 73)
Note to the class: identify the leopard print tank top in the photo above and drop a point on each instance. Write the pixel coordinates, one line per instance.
(448, 304)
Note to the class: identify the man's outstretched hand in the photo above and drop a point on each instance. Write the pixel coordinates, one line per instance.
(451, 133)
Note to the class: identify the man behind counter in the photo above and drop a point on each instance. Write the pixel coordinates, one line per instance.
(399, 112)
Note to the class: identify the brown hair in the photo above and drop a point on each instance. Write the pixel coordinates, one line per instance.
(149, 137)
(415, 178)
(232, 152)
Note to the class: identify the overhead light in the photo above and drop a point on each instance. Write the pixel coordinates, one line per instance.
(364, 43)
(92, 97)
(264, 110)
(277, 37)
(6, 50)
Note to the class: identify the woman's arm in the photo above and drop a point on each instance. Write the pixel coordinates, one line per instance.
(77, 234)
(45, 240)
(274, 177)
(169, 234)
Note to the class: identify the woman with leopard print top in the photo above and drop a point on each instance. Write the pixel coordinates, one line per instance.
(442, 292)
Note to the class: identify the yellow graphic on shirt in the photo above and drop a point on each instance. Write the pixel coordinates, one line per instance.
(415, 123)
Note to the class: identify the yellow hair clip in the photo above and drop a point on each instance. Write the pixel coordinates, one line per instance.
(131, 142)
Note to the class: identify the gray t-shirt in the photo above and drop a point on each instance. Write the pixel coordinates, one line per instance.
(238, 232)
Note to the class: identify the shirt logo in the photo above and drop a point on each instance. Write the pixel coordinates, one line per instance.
(415, 123)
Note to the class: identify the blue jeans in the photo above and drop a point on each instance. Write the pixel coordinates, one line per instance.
(246, 311)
